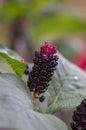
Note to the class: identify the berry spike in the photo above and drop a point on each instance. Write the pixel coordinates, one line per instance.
(45, 62)
(79, 117)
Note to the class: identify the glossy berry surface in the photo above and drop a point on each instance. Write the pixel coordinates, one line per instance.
(79, 117)
(27, 70)
(42, 98)
(45, 62)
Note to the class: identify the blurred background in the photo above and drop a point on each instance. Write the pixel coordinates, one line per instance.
(26, 24)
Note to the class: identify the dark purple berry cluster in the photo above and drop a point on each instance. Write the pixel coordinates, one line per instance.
(45, 62)
(79, 117)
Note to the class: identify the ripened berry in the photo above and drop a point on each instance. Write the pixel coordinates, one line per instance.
(42, 98)
(27, 70)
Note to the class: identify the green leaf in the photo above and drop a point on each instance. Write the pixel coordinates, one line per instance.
(16, 108)
(68, 86)
(9, 52)
(15, 90)
(5, 67)
(9, 64)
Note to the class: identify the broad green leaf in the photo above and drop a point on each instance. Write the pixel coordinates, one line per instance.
(68, 86)
(15, 91)
(4, 66)
(13, 65)
(16, 108)
(9, 52)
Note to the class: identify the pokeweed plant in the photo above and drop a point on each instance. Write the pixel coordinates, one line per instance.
(20, 105)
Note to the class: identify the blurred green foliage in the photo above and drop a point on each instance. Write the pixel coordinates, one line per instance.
(44, 18)
(58, 24)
